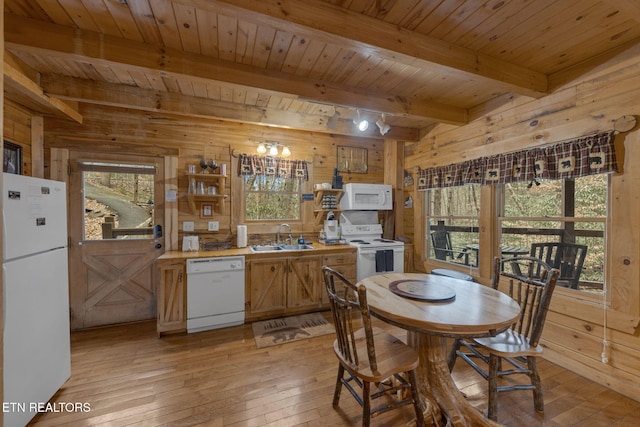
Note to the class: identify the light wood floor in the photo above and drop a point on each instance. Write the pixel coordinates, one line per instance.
(218, 378)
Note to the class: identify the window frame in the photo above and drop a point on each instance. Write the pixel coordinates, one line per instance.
(269, 226)
(429, 254)
(606, 230)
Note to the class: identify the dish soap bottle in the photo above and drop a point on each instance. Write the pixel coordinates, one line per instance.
(301, 240)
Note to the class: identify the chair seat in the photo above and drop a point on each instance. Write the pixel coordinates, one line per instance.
(392, 355)
(509, 344)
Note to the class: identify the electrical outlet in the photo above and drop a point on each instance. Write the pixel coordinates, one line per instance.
(214, 226)
(188, 226)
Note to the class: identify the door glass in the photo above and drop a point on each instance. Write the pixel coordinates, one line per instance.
(118, 201)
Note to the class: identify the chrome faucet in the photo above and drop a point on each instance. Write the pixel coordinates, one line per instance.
(278, 233)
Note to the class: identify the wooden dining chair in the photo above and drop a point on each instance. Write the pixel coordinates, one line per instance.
(369, 355)
(518, 345)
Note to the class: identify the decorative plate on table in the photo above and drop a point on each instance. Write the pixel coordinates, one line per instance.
(422, 290)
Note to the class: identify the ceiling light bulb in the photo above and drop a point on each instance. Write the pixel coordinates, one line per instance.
(361, 124)
(261, 149)
(286, 152)
(273, 151)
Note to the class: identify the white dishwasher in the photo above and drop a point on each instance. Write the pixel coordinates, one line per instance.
(215, 293)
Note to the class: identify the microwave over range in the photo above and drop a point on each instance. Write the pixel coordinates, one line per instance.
(367, 197)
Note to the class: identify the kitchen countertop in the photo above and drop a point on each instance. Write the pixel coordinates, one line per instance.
(319, 249)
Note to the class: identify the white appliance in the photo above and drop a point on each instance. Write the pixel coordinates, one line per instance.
(215, 293)
(37, 351)
(190, 243)
(375, 255)
(371, 197)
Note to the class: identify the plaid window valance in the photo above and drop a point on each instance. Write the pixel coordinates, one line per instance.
(583, 156)
(272, 166)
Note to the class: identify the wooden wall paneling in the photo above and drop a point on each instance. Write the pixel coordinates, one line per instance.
(37, 146)
(625, 232)
(17, 129)
(576, 324)
(171, 227)
(126, 130)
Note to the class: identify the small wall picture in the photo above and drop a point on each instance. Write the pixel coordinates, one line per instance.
(206, 211)
(352, 159)
(12, 160)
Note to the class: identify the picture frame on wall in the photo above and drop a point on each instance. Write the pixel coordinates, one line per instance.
(352, 159)
(12, 158)
(206, 211)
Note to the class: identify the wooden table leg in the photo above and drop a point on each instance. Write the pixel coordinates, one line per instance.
(443, 400)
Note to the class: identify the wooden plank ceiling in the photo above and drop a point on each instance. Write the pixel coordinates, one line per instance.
(296, 63)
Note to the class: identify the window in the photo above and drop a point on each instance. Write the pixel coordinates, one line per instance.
(572, 211)
(452, 224)
(272, 198)
(118, 200)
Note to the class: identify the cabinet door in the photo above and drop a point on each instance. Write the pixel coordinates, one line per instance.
(303, 282)
(172, 313)
(344, 263)
(267, 294)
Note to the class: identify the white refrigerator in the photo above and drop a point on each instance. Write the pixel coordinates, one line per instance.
(37, 356)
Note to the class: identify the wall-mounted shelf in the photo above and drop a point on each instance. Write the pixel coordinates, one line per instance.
(320, 198)
(196, 199)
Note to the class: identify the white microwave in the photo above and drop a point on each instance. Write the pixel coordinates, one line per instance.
(367, 197)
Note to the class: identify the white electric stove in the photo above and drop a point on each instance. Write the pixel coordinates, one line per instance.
(375, 255)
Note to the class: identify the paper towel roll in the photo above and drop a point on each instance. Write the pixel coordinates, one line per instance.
(242, 236)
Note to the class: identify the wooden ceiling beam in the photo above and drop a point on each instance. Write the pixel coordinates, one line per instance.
(116, 95)
(40, 38)
(22, 89)
(333, 24)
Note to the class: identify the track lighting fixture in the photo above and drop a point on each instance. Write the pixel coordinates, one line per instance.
(332, 122)
(382, 126)
(361, 124)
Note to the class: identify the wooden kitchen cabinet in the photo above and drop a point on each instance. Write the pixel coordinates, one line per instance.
(304, 284)
(172, 297)
(266, 288)
(278, 286)
(344, 263)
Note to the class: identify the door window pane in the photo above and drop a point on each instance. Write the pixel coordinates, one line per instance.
(118, 204)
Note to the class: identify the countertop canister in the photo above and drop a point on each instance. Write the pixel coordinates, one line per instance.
(242, 236)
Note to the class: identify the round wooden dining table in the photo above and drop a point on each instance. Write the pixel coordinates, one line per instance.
(432, 308)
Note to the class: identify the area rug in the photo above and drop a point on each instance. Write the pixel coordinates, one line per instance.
(290, 329)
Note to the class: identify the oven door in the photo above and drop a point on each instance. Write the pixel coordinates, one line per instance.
(378, 260)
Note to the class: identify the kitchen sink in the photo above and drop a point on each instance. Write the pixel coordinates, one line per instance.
(296, 247)
(265, 248)
(280, 248)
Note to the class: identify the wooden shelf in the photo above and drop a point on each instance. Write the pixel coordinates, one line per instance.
(217, 200)
(318, 210)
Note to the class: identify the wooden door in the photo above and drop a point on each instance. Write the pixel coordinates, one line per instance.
(111, 278)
